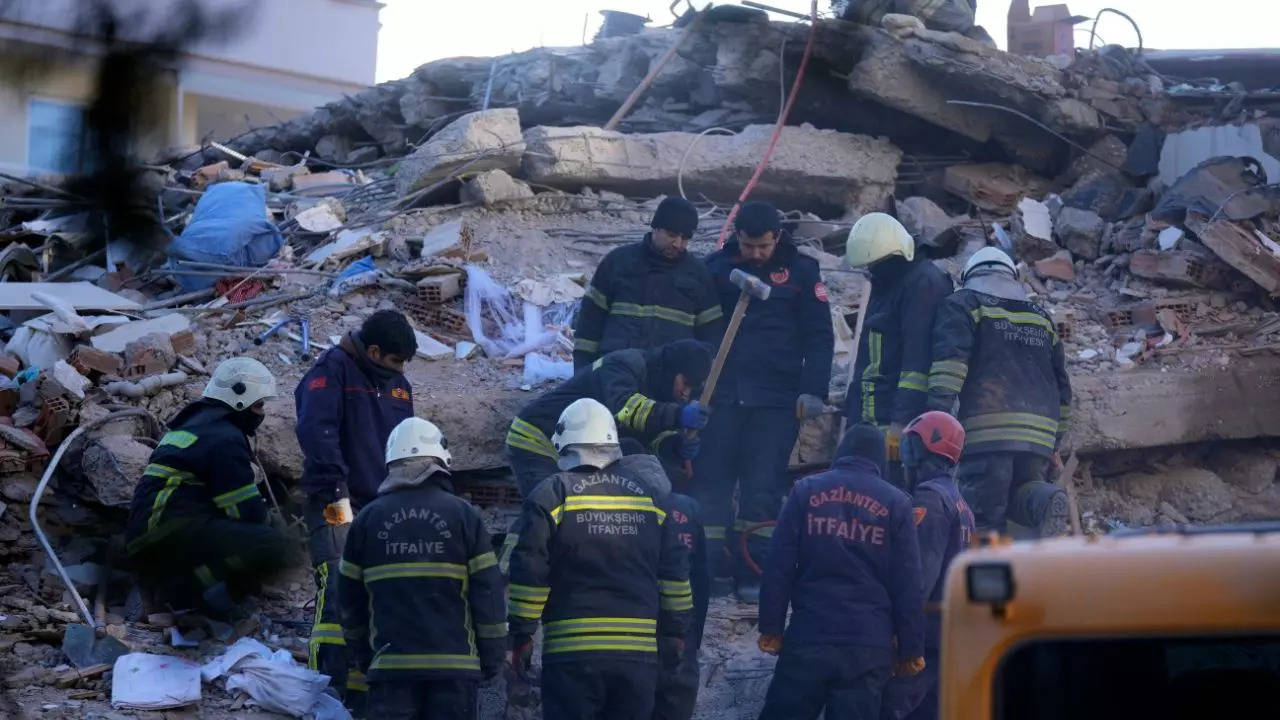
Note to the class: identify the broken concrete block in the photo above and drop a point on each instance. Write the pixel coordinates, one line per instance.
(305, 182)
(325, 216)
(281, 179)
(1057, 267)
(923, 218)
(1191, 267)
(442, 238)
(1250, 471)
(494, 186)
(150, 354)
(116, 339)
(333, 148)
(1110, 195)
(490, 137)
(71, 381)
(1080, 232)
(111, 466)
(430, 348)
(1241, 248)
(820, 170)
(1032, 231)
(89, 360)
(995, 187)
(440, 288)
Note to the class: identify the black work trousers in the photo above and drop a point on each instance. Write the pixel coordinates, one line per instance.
(598, 689)
(423, 699)
(989, 482)
(327, 650)
(844, 681)
(746, 447)
(205, 551)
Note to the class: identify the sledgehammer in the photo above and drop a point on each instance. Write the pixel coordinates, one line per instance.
(751, 287)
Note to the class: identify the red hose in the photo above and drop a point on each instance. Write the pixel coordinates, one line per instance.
(777, 129)
(746, 553)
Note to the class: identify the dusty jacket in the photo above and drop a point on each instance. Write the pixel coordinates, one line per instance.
(419, 586)
(785, 343)
(640, 299)
(890, 379)
(201, 469)
(600, 565)
(1002, 358)
(344, 418)
(945, 527)
(845, 557)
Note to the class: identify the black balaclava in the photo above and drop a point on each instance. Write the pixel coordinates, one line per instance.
(691, 358)
(887, 271)
(863, 440)
(247, 420)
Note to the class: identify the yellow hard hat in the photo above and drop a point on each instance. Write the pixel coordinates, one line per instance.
(875, 237)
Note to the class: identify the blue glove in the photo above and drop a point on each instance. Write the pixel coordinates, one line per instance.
(694, 416)
(689, 447)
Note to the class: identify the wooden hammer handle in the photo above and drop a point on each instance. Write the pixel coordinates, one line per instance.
(722, 353)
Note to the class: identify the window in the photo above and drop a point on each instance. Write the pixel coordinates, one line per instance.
(55, 137)
(1167, 678)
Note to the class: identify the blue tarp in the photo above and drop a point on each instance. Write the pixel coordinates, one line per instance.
(230, 227)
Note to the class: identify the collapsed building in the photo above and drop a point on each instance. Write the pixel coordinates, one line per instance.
(478, 194)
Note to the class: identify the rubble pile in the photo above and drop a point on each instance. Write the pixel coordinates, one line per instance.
(478, 194)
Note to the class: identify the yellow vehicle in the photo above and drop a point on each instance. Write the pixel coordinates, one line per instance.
(1168, 624)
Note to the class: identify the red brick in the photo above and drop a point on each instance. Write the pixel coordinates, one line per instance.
(1058, 267)
(88, 360)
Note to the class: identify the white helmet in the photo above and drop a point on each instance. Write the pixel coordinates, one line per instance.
(989, 255)
(875, 237)
(240, 382)
(415, 437)
(585, 422)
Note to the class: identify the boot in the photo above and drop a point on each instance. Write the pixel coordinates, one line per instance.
(748, 592)
(1056, 519)
(1041, 506)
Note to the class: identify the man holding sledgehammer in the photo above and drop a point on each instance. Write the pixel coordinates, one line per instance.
(776, 374)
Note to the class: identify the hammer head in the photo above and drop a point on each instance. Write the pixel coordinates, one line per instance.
(750, 284)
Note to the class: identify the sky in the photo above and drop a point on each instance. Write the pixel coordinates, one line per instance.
(418, 31)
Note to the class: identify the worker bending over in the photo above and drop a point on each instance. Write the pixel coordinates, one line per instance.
(649, 293)
(999, 355)
(931, 446)
(846, 560)
(196, 513)
(891, 373)
(776, 374)
(601, 565)
(347, 405)
(422, 601)
(648, 392)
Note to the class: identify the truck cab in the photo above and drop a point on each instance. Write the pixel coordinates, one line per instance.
(1174, 623)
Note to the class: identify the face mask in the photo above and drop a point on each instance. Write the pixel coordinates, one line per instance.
(248, 421)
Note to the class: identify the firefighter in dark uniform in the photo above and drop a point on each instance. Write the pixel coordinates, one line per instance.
(647, 390)
(423, 607)
(931, 446)
(347, 405)
(601, 566)
(846, 560)
(649, 293)
(999, 355)
(777, 374)
(196, 513)
(891, 373)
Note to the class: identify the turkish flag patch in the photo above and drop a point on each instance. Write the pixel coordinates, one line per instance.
(820, 291)
(318, 383)
(780, 277)
(919, 514)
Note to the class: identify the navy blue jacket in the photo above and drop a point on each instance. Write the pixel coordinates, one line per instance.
(344, 418)
(686, 516)
(784, 345)
(844, 556)
(944, 524)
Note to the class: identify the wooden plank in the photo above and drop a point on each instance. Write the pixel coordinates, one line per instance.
(79, 295)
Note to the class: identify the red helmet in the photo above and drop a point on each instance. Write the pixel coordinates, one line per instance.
(940, 434)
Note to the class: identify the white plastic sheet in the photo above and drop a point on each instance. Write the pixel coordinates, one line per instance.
(539, 368)
(506, 326)
(154, 682)
(274, 681)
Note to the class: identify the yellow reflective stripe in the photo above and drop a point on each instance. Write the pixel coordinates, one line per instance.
(586, 643)
(526, 436)
(945, 382)
(714, 532)
(205, 576)
(449, 571)
(913, 381)
(676, 603)
(870, 375)
(516, 441)
(709, 315)
(356, 681)
(597, 297)
(1022, 318)
(533, 593)
(350, 569)
(179, 439)
(1005, 419)
(656, 444)
(635, 412)
(585, 345)
(952, 367)
(742, 525)
(237, 496)
(328, 633)
(388, 661)
(1026, 435)
(481, 561)
(508, 547)
(575, 503)
(173, 478)
(674, 587)
(584, 626)
(490, 631)
(660, 312)
(525, 610)
(641, 417)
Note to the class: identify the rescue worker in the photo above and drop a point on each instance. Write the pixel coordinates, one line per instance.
(347, 405)
(196, 513)
(999, 355)
(649, 293)
(423, 606)
(931, 446)
(648, 392)
(891, 373)
(776, 374)
(600, 564)
(845, 559)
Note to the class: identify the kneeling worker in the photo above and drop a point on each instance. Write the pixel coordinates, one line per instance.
(845, 558)
(197, 512)
(601, 565)
(421, 598)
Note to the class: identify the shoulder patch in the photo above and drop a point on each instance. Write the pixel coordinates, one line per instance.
(919, 514)
(400, 393)
(179, 439)
(820, 291)
(780, 277)
(318, 383)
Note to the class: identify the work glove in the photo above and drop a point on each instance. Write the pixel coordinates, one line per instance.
(670, 650)
(771, 644)
(893, 443)
(521, 653)
(339, 512)
(689, 447)
(694, 416)
(908, 667)
(809, 406)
